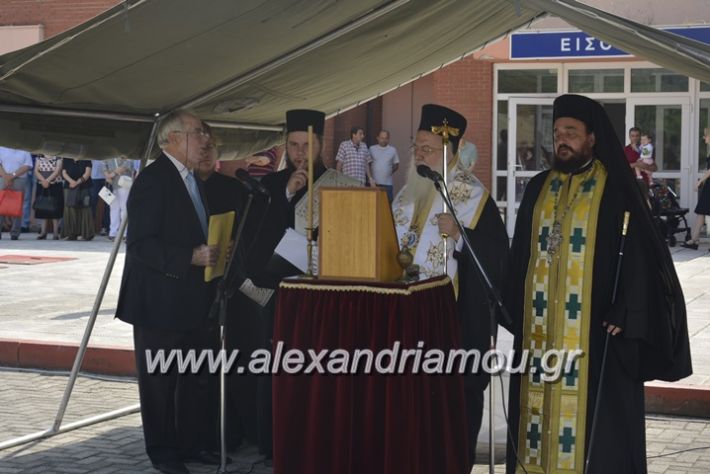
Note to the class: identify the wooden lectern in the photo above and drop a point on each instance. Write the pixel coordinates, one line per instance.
(357, 237)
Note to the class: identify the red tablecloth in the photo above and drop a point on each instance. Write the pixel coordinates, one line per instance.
(377, 423)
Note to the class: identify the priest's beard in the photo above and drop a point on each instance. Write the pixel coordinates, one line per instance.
(574, 160)
(417, 189)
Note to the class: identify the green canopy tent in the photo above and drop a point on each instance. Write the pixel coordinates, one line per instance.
(96, 90)
(99, 89)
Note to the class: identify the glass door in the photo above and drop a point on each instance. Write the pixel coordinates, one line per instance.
(667, 119)
(529, 148)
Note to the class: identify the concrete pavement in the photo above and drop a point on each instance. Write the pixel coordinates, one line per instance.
(29, 401)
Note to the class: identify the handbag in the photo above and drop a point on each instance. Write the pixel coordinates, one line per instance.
(10, 203)
(46, 203)
(77, 197)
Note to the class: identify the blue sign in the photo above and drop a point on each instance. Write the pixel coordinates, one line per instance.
(577, 44)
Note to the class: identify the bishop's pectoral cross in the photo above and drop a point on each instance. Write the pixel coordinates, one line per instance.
(554, 241)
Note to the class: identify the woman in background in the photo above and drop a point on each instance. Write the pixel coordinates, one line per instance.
(77, 215)
(702, 209)
(113, 170)
(48, 172)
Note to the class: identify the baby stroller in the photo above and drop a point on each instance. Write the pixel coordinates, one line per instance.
(667, 213)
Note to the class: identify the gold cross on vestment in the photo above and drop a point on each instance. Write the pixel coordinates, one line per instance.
(445, 131)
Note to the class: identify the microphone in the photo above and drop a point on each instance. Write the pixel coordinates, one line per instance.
(426, 172)
(250, 183)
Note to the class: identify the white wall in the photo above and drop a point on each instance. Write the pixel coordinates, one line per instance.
(17, 37)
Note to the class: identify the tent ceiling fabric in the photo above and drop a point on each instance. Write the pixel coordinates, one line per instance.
(250, 61)
(155, 55)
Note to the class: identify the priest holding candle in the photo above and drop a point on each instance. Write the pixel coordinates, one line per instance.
(266, 268)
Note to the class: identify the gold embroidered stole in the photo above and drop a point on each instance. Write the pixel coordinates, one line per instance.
(421, 212)
(417, 228)
(558, 290)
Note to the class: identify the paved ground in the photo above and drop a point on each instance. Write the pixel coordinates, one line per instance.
(51, 302)
(28, 403)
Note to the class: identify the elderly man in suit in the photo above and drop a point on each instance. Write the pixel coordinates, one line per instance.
(164, 296)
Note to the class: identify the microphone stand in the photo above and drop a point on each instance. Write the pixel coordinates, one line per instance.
(624, 230)
(494, 301)
(219, 311)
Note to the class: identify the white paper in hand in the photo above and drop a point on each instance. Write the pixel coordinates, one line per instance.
(106, 194)
(294, 248)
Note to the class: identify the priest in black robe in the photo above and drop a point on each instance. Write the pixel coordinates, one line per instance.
(564, 295)
(287, 187)
(266, 268)
(421, 222)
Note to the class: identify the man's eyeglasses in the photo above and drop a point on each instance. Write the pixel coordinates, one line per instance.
(199, 132)
(425, 149)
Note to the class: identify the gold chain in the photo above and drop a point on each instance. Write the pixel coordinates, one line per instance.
(554, 238)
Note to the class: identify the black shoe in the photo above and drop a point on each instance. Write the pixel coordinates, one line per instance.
(171, 467)
(690, 245)
(206, 457)
(14, 237)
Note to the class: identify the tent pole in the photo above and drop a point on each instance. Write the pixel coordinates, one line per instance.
(118, 10)
(99, 298)
(28, 109)
(70, 426)
(88, 330)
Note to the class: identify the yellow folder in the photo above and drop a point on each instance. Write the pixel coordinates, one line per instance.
(219, 233)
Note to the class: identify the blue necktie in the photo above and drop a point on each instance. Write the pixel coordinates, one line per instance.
(197, 201)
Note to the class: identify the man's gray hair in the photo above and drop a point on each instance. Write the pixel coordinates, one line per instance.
(171, 123)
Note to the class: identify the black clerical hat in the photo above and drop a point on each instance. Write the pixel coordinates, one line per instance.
(298, 120)
(434, 116)
(579, 107)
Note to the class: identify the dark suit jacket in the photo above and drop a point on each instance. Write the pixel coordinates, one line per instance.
(160, 289)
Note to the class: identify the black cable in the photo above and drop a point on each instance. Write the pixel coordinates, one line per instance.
(507, 423)
(677, 452)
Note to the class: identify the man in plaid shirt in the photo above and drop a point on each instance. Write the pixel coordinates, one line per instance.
(354, 159)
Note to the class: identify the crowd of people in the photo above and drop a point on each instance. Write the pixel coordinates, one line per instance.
(61, 196)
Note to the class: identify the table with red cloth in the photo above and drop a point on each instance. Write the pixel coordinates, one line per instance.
(367, 423)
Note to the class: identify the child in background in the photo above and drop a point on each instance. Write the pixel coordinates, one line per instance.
(646, 152)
